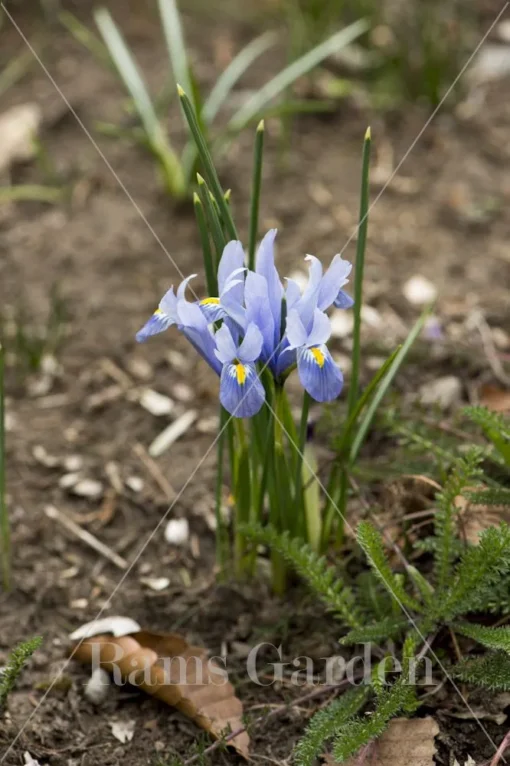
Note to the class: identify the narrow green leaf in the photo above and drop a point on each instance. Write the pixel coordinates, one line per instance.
(207, 161)
(255, 194)
(32, 193)
(387, 628)
(176, 45)
(85, 37)
(384, 386)
(234, 71)
(212, 218)
(358, 274)
(128, 70)
(291, 73)
(210, 272)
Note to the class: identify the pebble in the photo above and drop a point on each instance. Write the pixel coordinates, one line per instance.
(419, 290)
(177, 531)
(156, 404)
(445, 392)
(135, 483)
(87, 488)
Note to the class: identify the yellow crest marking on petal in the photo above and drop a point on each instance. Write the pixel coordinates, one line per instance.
(240, 373)
(158, 313)
(209, 301)
(318, 356)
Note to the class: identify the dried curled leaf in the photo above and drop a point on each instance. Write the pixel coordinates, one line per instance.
(406, 742)
(167, 667)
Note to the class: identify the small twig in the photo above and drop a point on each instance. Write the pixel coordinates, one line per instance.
(154, 471)
(456, 646)
(53, 513)
(273, 714)
(489, 347)
(501, 750)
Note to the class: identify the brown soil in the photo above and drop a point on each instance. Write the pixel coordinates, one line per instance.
(112, 257)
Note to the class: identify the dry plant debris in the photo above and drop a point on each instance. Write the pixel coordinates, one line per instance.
(145, 659)
(406, 742)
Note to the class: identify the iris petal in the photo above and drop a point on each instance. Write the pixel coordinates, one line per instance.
(211, 309)
(318, 373)
(231, 260)
(334, 279)
(343, 300)
(241, 392)
(250, 348)
(159, 322)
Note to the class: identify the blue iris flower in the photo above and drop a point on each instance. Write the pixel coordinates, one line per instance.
(318, 373)
(189, 319)
(241, 392)
(261, 322)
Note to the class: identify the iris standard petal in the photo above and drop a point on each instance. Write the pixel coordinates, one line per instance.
(241, 392)
(321, 329)
(181, 290)
(295, 330)
(292, 293)
(159, 322)
(168, 303)
(266, 268)
(226, 349)
(232, 298)
(250, 348)
(308, 302)
(333, 280)
(231, 259)
(258, 310)
(318, 373)
(343, 300)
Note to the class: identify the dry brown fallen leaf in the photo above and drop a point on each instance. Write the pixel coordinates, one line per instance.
(475, 517)
(495, 398)
(405, 742)
(209, 700)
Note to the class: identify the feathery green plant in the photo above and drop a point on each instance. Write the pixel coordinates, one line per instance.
(15, 664)
(178, 169)
(458, 586)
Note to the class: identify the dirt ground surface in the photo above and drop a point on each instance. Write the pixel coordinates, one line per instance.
(112, 252)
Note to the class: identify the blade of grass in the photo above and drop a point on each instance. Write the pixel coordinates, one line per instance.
(358, 274)
(384, 386)
(128, 70)
(5, 533)
(255, 194)
(85, 37)
(134, 83)
(291, 73)
(32, 193)
(176, 45)
(15, 70)
(209, 169)
(237, 67)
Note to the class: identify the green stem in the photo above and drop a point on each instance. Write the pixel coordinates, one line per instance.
(255, 195)
(358, 277)
(209, 169)
(212, 285)
(298, 476)
(212, 217)
(221, 531)
(5, 533)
